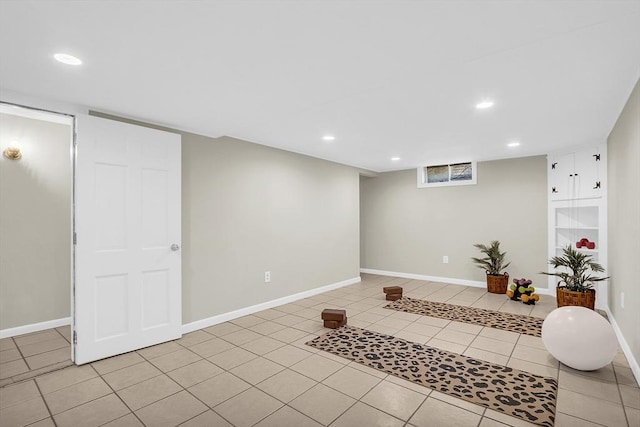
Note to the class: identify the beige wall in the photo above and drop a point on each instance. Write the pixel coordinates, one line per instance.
(624, 220)
(247, 209)
(35, 216)
(408, 229)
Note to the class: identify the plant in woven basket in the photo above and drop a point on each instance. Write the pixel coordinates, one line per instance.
(493, 263)
(578, 268)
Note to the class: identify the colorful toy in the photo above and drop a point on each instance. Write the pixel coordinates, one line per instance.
(521, 290)
(585, 243)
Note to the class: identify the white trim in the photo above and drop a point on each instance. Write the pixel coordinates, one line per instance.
(29, 113)
(454, 281)
(225, 317)
(35, 327)
(31, 101)
(633, 363)
(546, 291)
(474, 283)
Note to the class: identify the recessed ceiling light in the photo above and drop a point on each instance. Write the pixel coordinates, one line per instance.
(395, 159)
(513, 144)
(484, 104)
(67, 59)
(329, 138)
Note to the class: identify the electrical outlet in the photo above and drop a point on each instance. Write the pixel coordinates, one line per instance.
(267, 276)
(622, 299)
(445, 259)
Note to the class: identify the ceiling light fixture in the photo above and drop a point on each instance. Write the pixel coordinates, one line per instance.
(484, 104)
(395, 159)
(67, 59)
(329, 138)
(513, 144)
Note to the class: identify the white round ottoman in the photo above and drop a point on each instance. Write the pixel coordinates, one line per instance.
(579, 338)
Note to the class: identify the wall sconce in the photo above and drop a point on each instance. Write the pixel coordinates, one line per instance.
(13, 152)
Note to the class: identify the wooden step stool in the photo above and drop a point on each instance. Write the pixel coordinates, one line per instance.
(392, 293)
(334, 318)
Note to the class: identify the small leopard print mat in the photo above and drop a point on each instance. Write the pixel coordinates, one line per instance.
(527, 325)
(510, 391)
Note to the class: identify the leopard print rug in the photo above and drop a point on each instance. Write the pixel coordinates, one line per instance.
(527, 325)
(510, 391)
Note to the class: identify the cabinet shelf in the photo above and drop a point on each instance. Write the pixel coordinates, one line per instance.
(585, 250)
(576, 228)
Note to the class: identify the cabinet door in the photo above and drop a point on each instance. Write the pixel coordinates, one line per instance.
(561, 180)
(587, 177)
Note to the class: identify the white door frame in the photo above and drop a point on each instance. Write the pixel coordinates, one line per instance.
(69, 118)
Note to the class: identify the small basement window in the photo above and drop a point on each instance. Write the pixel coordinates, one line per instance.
(443, 175)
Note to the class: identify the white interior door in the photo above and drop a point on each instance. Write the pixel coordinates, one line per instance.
(127, 292)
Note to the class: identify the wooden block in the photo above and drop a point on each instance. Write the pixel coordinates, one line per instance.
(392, 290)
(334, 314)
(393, 297)
(334, 324)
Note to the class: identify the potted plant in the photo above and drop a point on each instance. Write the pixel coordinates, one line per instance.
(493, 263)
(575, 286)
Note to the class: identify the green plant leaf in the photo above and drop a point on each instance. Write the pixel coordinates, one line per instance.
(578, 267)
(494, 261)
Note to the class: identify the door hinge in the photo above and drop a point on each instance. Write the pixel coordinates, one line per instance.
(75, 337)
(75, 238)
(597, 156)
(597, 185)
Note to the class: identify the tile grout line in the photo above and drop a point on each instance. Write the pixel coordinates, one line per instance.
(285, 368)
(35, 374)
(113, 391)
(84, 403)
(624, 409)
(45, 403)
(589, 421)
(24, 359)
(408, 418)
(196, 397)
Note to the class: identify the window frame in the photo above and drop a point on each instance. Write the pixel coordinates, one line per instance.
(422, 176)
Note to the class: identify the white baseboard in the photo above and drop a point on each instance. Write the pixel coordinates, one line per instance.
(474, 283)
(633, 363)
(199, 324)
(225, 317)
(35, 327)
(453, 281)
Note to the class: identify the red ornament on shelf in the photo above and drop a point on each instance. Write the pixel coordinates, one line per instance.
(585, 243)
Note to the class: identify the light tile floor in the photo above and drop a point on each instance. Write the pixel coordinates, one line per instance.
(256, 370)
(27, 356)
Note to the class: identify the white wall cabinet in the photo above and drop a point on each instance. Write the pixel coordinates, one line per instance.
(577, 175)
(578, 207)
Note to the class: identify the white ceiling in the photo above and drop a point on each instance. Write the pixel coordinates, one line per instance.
(387, 78)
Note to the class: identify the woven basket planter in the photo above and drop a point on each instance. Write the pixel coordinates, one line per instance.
(497, 284)
(565, 297)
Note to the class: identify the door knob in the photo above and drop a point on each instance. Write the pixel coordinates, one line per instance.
(175, 247)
